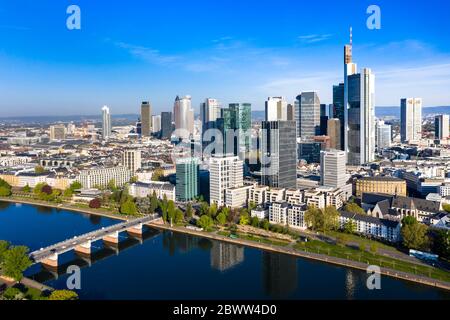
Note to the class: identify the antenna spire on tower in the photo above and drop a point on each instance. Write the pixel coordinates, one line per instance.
(351, 35)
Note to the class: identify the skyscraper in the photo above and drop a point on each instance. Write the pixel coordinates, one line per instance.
(410, 119)
(361, 117)
(334, 132)
(441, 124)
(210, 111)
(156, 124)
(166, 125)
(106, 123)
(186, 179)
(384, 135)
(184, 117)
(332, 168)
(339, 111)
(279, 154)
(350, 69)
(308, 115)
(276, 109)
(146, 118)
(225, 172)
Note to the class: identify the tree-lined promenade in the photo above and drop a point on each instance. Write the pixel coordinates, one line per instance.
(326, 241)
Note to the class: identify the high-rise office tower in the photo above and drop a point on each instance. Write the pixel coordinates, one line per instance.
(333, 168)
(57, 132)
(334, 132)
(210, 111)
(184, 117)
(361, 117)
(131, 159)
(308, 115)
(276, 109)
(146, 118)
(187, 170)
(290, 112)
(410, 119)
(235, 124)
(156, 124)
(139, 127)
(279, 154)
(339, 111)
(441, 124)
(384, 135)
(166, 125)
(350, 69)
(225, 173)
(106, 123)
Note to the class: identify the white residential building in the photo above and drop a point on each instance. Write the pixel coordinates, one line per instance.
(100, 177)
(161, 189)
(333, 168)
(225, 173)
(131, 158)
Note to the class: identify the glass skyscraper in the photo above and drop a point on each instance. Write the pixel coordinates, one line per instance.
(186, 179)
(339, 112)
(279, 154)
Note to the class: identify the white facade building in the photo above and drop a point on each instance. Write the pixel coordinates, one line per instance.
(100, 177)
(225, 173)
(106, 123)
(411, 119)
(333, 168)
(276, 109)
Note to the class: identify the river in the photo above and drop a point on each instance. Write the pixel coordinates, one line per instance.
(166, 265)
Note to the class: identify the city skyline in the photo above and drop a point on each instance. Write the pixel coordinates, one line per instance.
(122, 63)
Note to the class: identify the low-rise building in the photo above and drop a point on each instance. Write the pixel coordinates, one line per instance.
(380, 184)
(100, 177)
(161, 189)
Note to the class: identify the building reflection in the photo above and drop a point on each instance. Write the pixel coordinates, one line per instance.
(173, 241)
(350, 284)
(225, 256)
(279, 272)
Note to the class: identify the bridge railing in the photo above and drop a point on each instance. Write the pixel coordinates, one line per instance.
(106, 229)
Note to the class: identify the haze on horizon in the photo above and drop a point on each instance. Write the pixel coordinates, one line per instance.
(235, 52)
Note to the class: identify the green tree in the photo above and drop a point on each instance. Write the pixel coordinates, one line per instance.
(221, 218)
(12, 294)
(154, 202)
(128, 208)
(204, 208)
(314, 218)
(75, 186)
(164, 206)
(189, 211)
(352, 207)
(112, 185)
(409, 220)
(134, 179)
(330, 218)
(26, 189)
(265, 224)
(171, 209)
(255, 222)
(251, 206)
(4, 246)
(350, 227)
(205, 222)
(63, 295)
(446, 207)
(38, 188)
(441, 243)
(415, 236)
(213, 210)
(39, 169)
(15, 262)
(5, 192)
(68, 193)
(244, 219)
(179, 216)
(158, 174)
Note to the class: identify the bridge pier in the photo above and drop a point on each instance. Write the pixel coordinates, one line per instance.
(112, 238)
(137, 230)
(51, 261)
(84, 248)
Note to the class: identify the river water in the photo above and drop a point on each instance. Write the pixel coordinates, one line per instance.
(166, 265)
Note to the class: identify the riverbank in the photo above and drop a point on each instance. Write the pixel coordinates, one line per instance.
(249, 243)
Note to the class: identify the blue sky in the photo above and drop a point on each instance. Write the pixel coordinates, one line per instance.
(236, 51)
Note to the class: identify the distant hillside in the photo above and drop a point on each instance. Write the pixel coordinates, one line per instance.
(395, 111)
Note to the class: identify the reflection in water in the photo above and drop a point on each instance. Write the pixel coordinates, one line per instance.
(225, 256)
(350, 283)
(95, 220)
(174, 241)
(4, 206)
(279, 274)
(44, 210)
